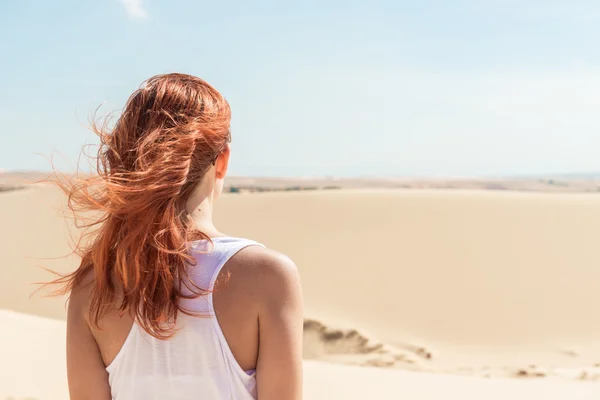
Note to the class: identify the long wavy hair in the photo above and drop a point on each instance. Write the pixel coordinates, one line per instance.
(136, 249)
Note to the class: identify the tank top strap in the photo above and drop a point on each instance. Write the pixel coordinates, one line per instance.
(227, 248)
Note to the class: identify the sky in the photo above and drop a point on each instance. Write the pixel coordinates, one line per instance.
(320, 87)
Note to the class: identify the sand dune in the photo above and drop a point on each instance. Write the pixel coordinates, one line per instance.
(473, 283)
(480, 279)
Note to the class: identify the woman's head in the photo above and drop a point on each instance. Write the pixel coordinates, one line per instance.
(169, 136)
(166, 152)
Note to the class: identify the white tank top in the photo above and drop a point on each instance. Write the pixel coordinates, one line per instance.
(196, 363)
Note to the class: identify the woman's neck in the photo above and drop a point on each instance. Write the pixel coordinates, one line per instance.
(202, 216)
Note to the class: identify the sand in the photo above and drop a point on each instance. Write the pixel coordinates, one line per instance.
(412, 294)
(37, 371)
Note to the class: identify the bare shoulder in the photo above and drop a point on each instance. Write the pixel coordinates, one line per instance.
(265, 264)
(273, 276)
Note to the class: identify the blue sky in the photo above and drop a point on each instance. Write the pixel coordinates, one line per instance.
(328, 87)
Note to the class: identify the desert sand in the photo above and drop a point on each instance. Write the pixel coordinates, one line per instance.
(413, 294)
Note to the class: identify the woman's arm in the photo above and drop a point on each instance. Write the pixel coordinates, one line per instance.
(280, 320)
(88, 379)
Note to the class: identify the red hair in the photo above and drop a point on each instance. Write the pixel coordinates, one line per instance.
(170, 133)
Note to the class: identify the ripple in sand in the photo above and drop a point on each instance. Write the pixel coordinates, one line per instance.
(351, 347)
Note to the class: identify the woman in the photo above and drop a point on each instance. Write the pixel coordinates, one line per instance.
(164, 305)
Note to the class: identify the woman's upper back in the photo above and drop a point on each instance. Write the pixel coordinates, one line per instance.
(213, 356)
(197, 359)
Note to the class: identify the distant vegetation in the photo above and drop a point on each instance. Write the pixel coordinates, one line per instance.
(10, 188)
(260, 189)
(293, 188)
(553, 182)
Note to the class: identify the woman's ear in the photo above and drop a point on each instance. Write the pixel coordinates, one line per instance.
(222, 163)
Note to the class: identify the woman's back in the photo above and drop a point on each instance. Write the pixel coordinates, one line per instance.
(213, 354)
(197, 359)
